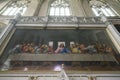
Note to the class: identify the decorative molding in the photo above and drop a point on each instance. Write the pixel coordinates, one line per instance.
(33, 78)
(57, 21)
(60, 20)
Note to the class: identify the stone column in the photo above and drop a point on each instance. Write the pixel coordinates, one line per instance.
(38, 7)
(112, 32)
(87, 9)
(114, 35)
(6, 65)
(4, 3)
(32, 6)
(76, 8)
(5, 37)
(44, 8)
(115, 5)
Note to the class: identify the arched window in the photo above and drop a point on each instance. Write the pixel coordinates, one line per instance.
(59, 8)
(15, 7)
(99, 7)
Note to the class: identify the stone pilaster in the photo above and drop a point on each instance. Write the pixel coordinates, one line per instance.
(44, 11)
(87, 9)
(32, 6)
(115, 5)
